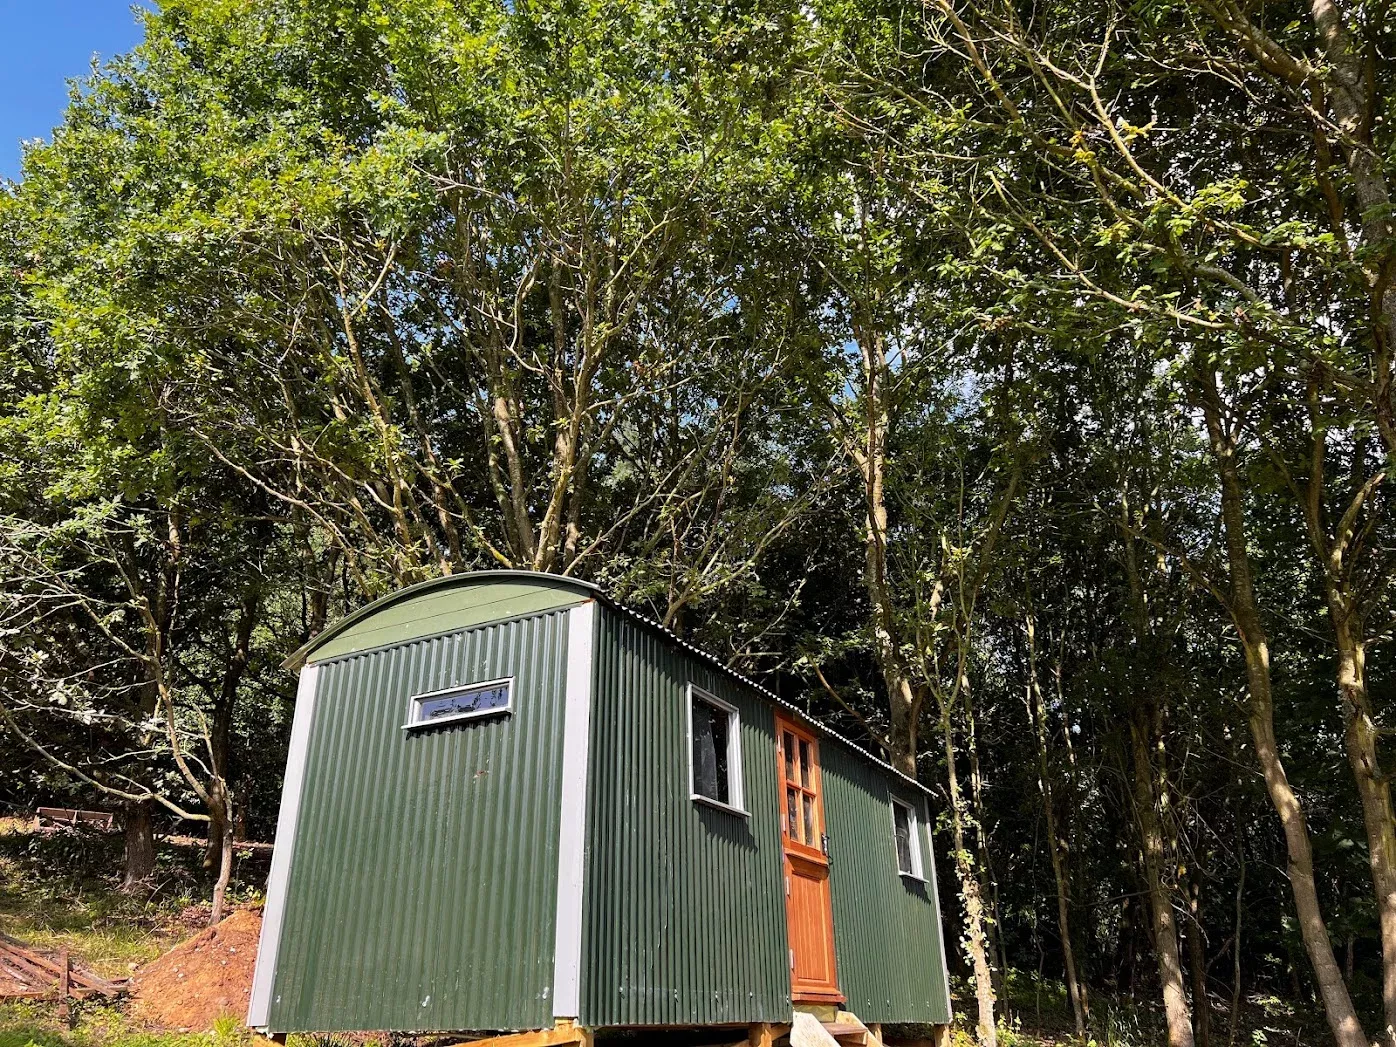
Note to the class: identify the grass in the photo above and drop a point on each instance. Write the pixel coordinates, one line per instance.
(58, 890)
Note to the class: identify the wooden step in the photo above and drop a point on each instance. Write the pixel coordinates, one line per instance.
(848, 1033)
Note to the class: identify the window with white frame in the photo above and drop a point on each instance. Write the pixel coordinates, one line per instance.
(904, 837)
(466, 702)
(715, 747)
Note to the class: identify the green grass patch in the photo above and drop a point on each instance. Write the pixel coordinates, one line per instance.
(59, 890)
(38, 1025)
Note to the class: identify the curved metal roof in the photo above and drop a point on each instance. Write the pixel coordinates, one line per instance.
(447, 581)
(589, 590)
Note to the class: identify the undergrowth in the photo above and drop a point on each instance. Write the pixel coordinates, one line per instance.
(58, 890)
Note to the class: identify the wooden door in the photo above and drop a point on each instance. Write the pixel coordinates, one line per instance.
(808, 909)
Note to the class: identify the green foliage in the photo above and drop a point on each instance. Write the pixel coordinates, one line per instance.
(308, 300)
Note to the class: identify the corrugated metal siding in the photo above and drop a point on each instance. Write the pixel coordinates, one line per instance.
(685, 920)
(886, 936)
(423, 883)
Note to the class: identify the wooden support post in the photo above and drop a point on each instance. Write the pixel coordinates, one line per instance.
(761, 1034)
(876, 1029)
(941, 1036)
(65, 984)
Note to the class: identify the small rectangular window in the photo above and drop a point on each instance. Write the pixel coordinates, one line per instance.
(466, 702)
(714, 731)
(904, 837)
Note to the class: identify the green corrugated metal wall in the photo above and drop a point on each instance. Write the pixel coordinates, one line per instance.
(887, 939)
(423, 883)
(685, 904)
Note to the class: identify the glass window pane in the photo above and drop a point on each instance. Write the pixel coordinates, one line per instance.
(792, 817)
(704, 755)
(465, 700)
(719, 733)
(710, 771)
(804, 766)
(810, 837)
(901, 822)
(788, 744)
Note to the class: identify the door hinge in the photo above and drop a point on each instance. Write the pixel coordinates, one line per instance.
(792, 959)
(824, 843)
(787, 887)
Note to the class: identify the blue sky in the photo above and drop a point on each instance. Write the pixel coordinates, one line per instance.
(43, 44)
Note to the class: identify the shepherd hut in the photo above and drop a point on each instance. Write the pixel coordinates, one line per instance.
(513, 806)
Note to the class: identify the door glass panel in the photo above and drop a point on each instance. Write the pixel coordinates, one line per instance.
(809, 820)
(792, 816)
(804, 766)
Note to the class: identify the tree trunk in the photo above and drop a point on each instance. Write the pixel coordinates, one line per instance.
(972, 895)
(1163, 920)
(1245, 613)
(1056, 848)
(139, 836)
(1360, 740)
(1197, 969)
(221, 729)
(225, 872)
(1235, 1016)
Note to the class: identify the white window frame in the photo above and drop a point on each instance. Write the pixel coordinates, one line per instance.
(913, 824)
(414, 704)
(737, 805)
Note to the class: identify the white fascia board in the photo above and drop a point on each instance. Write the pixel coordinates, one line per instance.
(274, 910)
(571, 851)
(935, 897)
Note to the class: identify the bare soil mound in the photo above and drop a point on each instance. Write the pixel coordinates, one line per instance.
(199, 979)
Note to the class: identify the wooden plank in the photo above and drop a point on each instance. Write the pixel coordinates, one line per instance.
(27, 994)
(65, 984)
(27, 966)
(565, 1032)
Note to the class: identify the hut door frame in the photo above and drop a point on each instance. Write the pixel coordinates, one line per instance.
(805, 844)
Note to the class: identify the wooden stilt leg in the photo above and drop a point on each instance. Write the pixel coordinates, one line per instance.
(761, 1034)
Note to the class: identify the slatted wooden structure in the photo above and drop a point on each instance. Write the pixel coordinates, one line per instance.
(53, 816)
(26, 974)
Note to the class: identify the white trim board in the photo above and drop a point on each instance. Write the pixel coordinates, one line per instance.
(274, 911)
(571, 849)
(934, 887)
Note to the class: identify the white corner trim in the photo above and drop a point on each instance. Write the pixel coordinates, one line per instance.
(274, 909)
(571, 844)
(935, 897)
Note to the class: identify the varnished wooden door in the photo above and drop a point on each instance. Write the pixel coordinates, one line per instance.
(808, 908)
